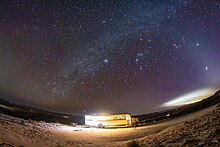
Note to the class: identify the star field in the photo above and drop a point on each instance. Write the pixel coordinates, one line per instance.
(107, 56)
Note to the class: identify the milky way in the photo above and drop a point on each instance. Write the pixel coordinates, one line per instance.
(87, 56)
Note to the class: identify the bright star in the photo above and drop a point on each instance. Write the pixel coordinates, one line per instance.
(206, 68)
(105, 60)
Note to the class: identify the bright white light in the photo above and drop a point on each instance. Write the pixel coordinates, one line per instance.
(105, 60)
(108, 120)
(206, 68)
(190, 97)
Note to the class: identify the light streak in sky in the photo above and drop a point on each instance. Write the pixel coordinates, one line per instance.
(191, 97)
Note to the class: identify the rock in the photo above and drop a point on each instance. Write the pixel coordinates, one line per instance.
(186, 123)
(22, 122)
(214, 140)
(216, 133)
(190, 142)
(201, 143)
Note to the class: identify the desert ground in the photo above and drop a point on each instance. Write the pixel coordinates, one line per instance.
(197, 129)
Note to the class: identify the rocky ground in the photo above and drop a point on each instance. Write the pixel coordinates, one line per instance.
(198, 129)
(201, 131)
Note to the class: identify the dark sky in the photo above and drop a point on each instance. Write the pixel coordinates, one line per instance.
(90, 56)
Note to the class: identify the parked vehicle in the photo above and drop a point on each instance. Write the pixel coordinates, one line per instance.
(114, 120)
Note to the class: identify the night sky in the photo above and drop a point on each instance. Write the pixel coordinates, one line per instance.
(91, 56)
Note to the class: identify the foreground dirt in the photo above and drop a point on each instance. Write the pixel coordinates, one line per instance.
(203, 129)
(198, 129)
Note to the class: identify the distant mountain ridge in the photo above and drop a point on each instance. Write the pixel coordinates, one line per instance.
(28, 112)
(179, 111)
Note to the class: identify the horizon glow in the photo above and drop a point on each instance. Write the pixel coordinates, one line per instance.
(190, 97)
